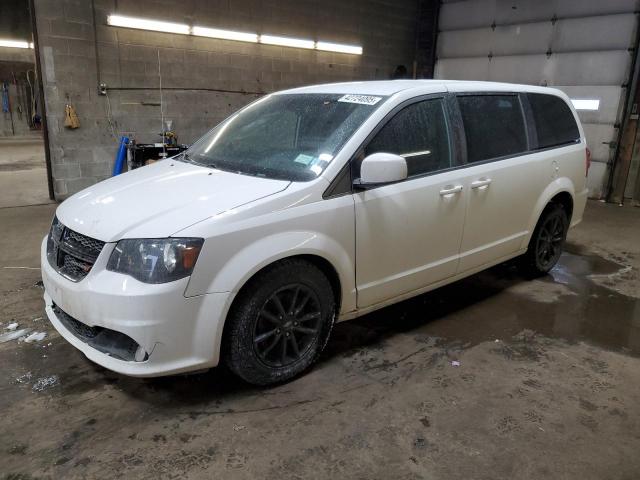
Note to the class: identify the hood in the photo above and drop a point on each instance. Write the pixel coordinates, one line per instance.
(159, 200)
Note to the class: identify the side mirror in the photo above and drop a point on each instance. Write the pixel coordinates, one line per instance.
(380, 168)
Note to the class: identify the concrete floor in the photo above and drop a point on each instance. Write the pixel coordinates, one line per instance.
(23, 175)
(548, 384)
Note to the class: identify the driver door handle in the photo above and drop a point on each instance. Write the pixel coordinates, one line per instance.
(450, 190)
(483, 182)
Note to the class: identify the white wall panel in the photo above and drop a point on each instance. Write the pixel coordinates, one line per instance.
(483, 13)
(464, 43)
(476, 68)
(585, 8)
(589, 68)
(529, 69)
(523, 11)
(610, 32)
(598, 136)
(523, 39)
(468, 14)
(598, 174)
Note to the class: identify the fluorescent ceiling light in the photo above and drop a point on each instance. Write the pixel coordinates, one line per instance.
(225, 34)
(15, 44)
(287, 42)
(586, 103)
(338, 47)
(184, 29)
(144, 24)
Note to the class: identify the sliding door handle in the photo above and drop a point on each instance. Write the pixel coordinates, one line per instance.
(450, 190)
(483, 182)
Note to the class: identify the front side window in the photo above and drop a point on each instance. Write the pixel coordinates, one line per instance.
(494, 126)
(419, 134)
(555, 123)
(288, 136)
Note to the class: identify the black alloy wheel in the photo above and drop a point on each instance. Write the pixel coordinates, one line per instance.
(279, 323)
(287, 325)
(547, 241)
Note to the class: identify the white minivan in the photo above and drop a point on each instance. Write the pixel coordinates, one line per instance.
(307, 207)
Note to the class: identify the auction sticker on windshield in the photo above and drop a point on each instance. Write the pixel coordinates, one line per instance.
(362, 99)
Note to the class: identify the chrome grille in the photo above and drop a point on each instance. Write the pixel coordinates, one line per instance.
(71, 253)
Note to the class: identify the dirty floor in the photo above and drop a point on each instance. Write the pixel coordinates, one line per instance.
(493, 377)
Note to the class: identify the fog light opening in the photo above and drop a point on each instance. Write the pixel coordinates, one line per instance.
(141, 355)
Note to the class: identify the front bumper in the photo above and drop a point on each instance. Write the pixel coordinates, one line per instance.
(178, 333)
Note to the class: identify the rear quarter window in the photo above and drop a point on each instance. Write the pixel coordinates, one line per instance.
(555, 124)
(494, 126)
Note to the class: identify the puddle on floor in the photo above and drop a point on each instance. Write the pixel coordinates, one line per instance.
(499, 303)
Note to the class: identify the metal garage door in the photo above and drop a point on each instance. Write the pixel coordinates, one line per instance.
(581, 47)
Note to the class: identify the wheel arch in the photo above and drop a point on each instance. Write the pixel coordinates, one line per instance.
(559, 191)
(324, 265)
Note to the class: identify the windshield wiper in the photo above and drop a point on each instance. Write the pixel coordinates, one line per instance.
(187, 158)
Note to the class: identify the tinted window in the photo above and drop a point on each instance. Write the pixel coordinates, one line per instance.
(494, 126)
(554, 120)
(419, 134)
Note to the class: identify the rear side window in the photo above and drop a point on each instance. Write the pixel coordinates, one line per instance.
(555, 123)
(493, 125)
(419, 134)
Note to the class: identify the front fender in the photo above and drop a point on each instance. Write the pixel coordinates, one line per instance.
(559, 185)
(245, 263)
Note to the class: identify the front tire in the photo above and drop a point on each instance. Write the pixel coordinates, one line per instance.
(547, 241)
(280, 323)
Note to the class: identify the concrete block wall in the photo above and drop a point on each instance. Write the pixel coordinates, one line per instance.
(204, 80)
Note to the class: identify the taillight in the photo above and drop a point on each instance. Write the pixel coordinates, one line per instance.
(587, 161)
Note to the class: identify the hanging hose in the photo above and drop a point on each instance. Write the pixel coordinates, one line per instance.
(33, 96)
(5, 98)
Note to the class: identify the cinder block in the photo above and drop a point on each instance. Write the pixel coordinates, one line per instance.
(66, 29)
(81, 48)
(280, 65)
(59, 188)
(95, 169)
(74, 185)
(65, 170)
(196, 57)
(78, 11)
(218, 59)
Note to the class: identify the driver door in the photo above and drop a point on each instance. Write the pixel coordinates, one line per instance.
(408, 233)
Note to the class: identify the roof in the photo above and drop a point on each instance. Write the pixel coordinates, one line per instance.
(390, 87)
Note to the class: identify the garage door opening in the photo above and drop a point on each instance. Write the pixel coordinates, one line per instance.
(23, 168)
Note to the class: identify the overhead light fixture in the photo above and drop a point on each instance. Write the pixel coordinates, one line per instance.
(15, 44)
(225, 34)
(339, 47)
(287, 42)
(184, 29)
(586, 103)
(144, 24)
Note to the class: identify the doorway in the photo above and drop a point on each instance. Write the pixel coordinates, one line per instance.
(23, 170)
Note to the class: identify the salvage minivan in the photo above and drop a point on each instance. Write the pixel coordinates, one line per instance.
(307, 207)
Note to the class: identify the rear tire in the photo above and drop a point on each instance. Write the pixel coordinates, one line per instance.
(280, 323)
(547, 242)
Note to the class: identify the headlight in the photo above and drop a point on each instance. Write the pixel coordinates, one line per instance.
(156, 260)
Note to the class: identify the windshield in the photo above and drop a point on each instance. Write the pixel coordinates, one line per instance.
(289, 136)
